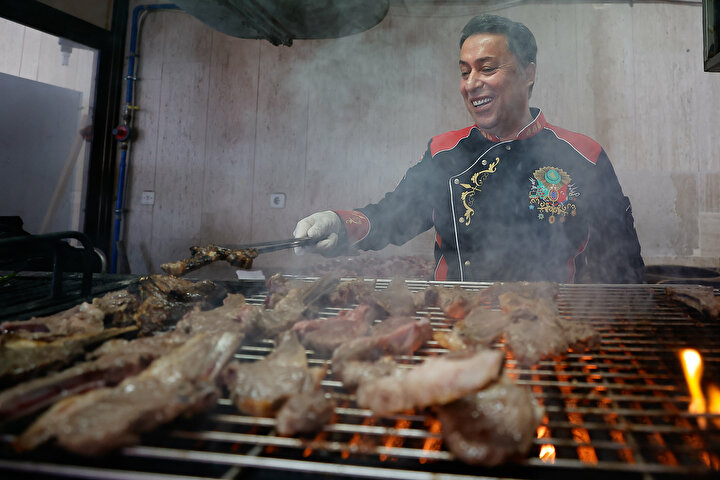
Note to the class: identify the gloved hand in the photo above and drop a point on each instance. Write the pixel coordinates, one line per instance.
(318, 225)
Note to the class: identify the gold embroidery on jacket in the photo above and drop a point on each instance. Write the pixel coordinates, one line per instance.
(468, 196)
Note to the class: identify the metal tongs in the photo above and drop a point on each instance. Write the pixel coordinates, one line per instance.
(240, 256)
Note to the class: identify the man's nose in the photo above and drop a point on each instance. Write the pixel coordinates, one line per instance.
(474, 79)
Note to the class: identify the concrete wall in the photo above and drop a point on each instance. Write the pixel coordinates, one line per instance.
(225, 122)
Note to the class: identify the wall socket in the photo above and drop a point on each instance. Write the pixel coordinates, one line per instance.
(147, 197)
(277, 200)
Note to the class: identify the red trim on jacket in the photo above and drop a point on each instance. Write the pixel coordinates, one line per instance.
(571, 260)
(441, 270)
(448, 140)
(438, 239)
(584, 145)
(356, 224)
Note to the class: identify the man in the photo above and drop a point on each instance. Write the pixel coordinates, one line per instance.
(511, 197)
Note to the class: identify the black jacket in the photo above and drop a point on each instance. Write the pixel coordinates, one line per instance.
(545, 206)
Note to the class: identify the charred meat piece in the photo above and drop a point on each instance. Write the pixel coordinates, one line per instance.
(696, 297)
(179, 383)
(481, 327)
(394, 336)
(398, 300)
(261, 388)
(225, 318)
(118, 307)
(436, 381)
(492, 425)
(84, 318)
(19, 358)
(535, 330)
(455, 302)
(306, 412)
(352, 292)
(355, 372)
(201, 256)
(107, 366)
(164, 300)
(324, 335)
(548, 290)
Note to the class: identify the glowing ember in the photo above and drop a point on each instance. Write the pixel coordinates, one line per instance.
(714, 402)
(693, 369)
(432, 443)
(547, 452)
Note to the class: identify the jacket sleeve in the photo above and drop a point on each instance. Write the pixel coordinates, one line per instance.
(405, 212)
(612, 253)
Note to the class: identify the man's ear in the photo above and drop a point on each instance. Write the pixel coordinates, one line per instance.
(530, 73)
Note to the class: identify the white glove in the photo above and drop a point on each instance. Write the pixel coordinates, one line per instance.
(318, 225)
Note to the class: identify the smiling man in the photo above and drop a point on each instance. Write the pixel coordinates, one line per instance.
(511, 197)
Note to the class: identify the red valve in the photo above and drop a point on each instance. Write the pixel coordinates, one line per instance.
(121, 133)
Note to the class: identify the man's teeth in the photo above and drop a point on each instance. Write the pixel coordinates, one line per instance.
(482, 101)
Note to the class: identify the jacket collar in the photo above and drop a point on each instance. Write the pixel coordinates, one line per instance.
(537, 124)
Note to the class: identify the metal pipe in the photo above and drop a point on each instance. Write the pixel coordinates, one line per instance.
(127, 118)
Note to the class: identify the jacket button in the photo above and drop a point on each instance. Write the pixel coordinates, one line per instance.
(508, 147)
(456, 181)
(467, 263)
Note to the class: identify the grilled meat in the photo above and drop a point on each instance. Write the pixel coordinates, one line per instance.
(548, 290)
(352, 292)
(261, 388)
(179, 383)
(226, 318)
(455, 302)
(394, 336)
(108, 365)
(324, 335)
(306, 412)
(492, 425)
(354, 372)
(201, 256)
(696, 297)
(480, 328)
(398, 300)
(84, 318)
(436, 381)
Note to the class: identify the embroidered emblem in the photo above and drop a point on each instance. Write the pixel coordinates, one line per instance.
(552, 195)
(468, 196)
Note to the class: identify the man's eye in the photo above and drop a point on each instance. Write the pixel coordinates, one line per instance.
(488, 69)
(464, 73)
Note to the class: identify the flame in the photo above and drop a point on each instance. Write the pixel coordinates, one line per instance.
(395, 441)
(547, 452)
(714, 402)
(432, 443)
(693, 369)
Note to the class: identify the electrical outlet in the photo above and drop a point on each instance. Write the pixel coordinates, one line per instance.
(277, 200)
(147, 198)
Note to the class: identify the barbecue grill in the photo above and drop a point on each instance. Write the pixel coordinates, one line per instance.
(620, 409)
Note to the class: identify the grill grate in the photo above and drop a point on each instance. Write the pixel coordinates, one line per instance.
(620, 409)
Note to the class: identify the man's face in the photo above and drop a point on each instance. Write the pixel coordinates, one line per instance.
(495, 85)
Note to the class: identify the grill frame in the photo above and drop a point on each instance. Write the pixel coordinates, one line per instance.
(640, 328)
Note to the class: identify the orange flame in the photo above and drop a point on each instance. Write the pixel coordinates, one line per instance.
(693, 369)
(547, 452)
(432, 443)
(714, 402)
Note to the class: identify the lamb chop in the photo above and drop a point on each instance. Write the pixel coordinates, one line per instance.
(548, 290)
(535, 329)
(398, 300)
(437, 381)
(226, 318)
(106, 366)
(324, 335)
(306, 412)
(480, 328)
(179, 383)
(84, 318)
(492, 425)
(455, 302)
(355, 372)
(261, 388)
(201, 256)
(696, 297)
(393, 336)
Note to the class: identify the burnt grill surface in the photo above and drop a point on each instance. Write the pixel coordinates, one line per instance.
(620, 409)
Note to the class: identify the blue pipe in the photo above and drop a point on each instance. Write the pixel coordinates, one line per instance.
(128, 104)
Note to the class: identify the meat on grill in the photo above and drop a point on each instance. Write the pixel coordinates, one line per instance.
(398, 300)
(306, 412)
(548, 290)
(481, 327)
(492, 425)
(393, 336)
(181, 382)
(696, 297)
(437, 381)
(201, 256)
(226, 318)
(352, 292)
(108, 365)
(84, 318)
(355, 372)
(324, 335)
(261, 388)
(455, 302)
